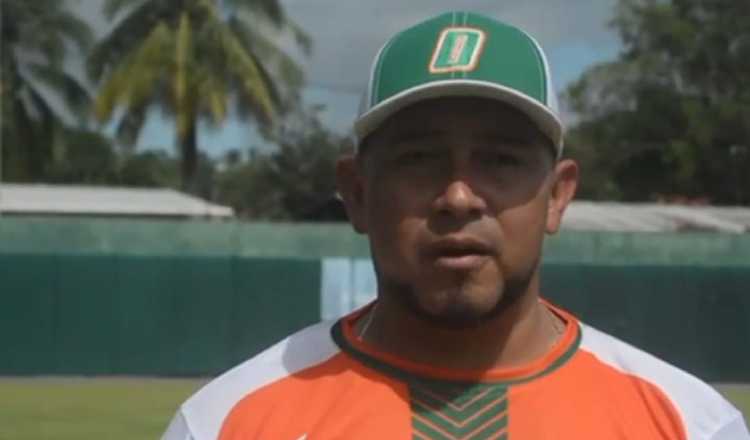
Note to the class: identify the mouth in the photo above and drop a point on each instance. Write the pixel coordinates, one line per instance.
(460, 253)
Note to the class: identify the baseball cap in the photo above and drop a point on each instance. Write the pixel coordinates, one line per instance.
(461, 54)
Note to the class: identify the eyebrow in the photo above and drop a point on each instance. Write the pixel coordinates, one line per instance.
(507, 139)
(416, 134)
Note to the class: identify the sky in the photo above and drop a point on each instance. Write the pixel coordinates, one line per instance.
(347, 34)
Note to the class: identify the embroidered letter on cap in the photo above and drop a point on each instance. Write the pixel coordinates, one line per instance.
(457, 50)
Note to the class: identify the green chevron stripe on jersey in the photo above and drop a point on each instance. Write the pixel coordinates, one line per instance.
(454, 411)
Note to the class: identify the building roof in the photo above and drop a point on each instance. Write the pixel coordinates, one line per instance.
(653, 217)
(32, 199)
(105, 201)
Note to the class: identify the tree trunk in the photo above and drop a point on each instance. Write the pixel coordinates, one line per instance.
(189, 162)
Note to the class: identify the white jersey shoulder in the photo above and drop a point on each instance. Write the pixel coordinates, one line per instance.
(202, 415)
(706, 415)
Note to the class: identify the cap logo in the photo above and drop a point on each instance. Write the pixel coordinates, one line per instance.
(458, 50)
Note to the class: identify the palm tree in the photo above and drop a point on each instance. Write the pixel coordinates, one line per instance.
(192, 59)
(33, 48)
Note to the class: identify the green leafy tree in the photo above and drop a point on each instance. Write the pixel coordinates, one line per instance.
(84, 157)
(192, 59)
(291, 182)
(671, 116)
(36, 39)
(150, 168)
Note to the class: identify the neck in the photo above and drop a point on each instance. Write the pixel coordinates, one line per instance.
(520, 334)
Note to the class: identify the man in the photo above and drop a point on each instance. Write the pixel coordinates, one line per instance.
(456, 180)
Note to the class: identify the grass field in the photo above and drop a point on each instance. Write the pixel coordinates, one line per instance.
(740, 396)
(82, 409)
(121, 408)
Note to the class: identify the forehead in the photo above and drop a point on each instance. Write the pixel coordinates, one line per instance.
(459, 116)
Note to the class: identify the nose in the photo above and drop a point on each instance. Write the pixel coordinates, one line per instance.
(460, 200)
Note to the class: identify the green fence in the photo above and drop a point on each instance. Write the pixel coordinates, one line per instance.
(696, 317)
(69, 235)
(187, 298)
(100, 314)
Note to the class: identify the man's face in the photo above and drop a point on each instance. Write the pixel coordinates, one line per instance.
(454, 196)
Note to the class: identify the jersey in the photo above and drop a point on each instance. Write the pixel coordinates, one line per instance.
(326, 383)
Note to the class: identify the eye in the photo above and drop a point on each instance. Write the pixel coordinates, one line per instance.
(500, 159)
(416, 156)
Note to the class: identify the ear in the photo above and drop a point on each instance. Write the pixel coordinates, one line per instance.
(562, 192)
(349, 180)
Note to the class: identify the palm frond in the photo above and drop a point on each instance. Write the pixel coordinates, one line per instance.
(126, 37)
(231, 60)
(73, 93)
(301, 37)
(271, 9)
(44, 28)
(215, 97)
(274, 59)
(52, 48)
(72, 28)
(252, 82)
(111, 8)
(257, 16)
(129, 127)
(134, 81)
(281, 101)
(35, 105)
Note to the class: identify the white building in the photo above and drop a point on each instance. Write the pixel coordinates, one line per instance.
(102, 201)
(653, 217)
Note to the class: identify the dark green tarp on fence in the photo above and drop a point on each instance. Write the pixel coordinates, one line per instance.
(99, 314)
(695, 317)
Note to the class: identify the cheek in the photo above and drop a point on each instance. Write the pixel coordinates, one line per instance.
(394, 226)
(391, 202)
(523, 233)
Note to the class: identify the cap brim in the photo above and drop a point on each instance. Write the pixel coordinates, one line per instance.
(547, 121)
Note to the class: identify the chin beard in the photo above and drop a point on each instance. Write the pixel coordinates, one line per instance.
(457, 316)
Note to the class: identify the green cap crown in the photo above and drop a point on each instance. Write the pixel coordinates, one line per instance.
(460, 54)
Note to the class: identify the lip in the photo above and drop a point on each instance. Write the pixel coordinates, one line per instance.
(459, 253)
(465, 262)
